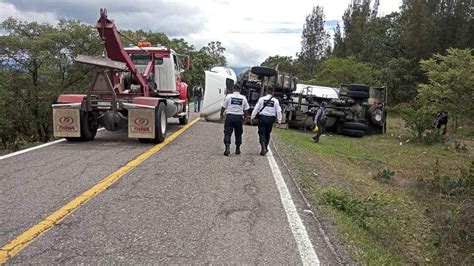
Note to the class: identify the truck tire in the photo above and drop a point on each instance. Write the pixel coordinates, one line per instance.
(358, 87)
(185, 119)
(352, 132)
(337, 113)
(89, 126)
(161, 124)
(264, 71)
(355, 126)
(358, 95)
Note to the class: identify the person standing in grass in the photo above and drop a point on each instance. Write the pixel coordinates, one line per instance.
(319, 119)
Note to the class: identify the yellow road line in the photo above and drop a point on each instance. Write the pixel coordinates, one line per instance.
(16, 245)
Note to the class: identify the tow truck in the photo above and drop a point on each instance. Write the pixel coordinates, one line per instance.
(137, 88)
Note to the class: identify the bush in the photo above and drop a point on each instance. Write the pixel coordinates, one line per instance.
(460, 147)
(385, 175)
(449, 185)
(433, 137)
(418, 119)
(363, 211)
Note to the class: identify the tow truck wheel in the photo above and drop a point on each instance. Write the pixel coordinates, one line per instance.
(161, 124)
(185, 119)
(89, 126)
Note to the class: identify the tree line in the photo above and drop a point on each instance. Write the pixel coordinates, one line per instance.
(423, 54)
(37, 64)
(380, 50)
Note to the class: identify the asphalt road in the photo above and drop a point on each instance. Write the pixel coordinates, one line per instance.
(185, 204)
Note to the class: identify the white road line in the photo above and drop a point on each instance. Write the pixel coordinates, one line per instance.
(31, 149)
(35, 148)
(305, 247)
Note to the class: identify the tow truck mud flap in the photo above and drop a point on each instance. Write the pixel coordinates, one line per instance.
(66, 122)
(141, 123)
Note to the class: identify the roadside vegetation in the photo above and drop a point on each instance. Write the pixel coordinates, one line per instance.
(393, 199)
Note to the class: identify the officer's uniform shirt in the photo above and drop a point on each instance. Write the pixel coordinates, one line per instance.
(235, 104)
(272, 107)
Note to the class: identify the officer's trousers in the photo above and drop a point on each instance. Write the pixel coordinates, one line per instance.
(233, 122)
(265, 126)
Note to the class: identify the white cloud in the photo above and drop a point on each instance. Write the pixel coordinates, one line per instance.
(9, 10)
(250, 30)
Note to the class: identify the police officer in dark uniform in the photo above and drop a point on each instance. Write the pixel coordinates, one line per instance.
(236, 108)
(267, 109)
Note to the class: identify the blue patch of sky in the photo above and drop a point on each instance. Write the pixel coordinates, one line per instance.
(331, 24)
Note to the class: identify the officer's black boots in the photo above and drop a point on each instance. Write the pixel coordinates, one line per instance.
(237, 149)
(264, 148)
(227, 150)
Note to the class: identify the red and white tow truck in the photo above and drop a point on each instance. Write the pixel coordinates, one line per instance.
(137, 88)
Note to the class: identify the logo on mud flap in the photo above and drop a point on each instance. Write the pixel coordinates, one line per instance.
(141, 125)
(66, 123)
(140, 121)
(66, 120)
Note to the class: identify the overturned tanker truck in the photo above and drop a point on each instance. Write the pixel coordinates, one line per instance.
(137, 88)
(352, 110)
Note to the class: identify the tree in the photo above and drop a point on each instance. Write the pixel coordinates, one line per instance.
(181, 46)
(454, 21)
(315, 40)
(37, 60)
(339, 49)
(336, 71)
(356, 18)
(284, 63)
(131, 38)
(400, 77)
(418, 25)
(418, 116)
(450, 87)
(451, 82)
(216, 51)
(200, 62)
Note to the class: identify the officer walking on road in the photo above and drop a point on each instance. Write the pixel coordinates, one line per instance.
(236, 108)
(266, 111)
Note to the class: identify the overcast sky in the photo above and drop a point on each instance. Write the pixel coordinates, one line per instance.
(250, 30)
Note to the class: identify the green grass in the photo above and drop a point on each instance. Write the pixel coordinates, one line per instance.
(400, 219)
